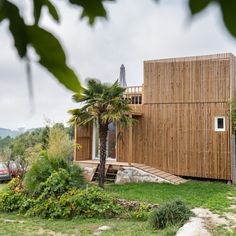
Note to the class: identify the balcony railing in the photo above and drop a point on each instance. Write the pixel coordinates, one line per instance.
(134, 94)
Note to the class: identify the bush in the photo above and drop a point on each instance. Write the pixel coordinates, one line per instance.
(77, 202)
(171, 213)
(42, 168)
(12, 196)
(141, 213)
(58, 200)
(56, 184)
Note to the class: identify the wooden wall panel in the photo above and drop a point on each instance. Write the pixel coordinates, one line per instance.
(84, 138)
(181, 98)
(122, 144)
(205, 79)
(180, 139)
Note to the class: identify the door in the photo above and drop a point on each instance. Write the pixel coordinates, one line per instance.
(111, 141)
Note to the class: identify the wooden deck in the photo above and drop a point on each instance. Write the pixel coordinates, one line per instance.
(173, 179)
(108, 162)
(159, 173)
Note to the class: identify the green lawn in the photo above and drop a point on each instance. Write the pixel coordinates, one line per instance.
(84, 227)
(212, 195)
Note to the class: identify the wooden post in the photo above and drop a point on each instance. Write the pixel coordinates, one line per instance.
(142, 94)
(130, 143)
(75, 143)
(233, 161)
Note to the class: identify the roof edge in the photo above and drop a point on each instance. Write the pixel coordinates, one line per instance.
(194, 58)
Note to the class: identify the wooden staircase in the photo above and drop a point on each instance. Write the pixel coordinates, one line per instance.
(110, 173)
(159, 173)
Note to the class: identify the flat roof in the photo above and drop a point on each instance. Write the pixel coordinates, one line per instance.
(193, 58)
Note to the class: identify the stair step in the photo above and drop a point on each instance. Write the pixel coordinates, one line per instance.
(110, 173)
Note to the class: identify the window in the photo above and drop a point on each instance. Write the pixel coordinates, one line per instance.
(219, 123)
(111, 141)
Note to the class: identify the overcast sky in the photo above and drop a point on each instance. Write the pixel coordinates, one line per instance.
(137, 30)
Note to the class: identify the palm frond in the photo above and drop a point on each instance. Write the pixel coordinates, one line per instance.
(101, 101)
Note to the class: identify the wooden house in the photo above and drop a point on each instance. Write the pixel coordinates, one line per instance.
(184, 122)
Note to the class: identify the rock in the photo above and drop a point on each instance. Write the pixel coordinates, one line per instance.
(104, 228)
(134, 175)
(204, 219)
(89, 172)
(231, 198)
(195, 227)
(14, 221)
(101, 229)
(232, 207)
(212, 218)
(231, 217)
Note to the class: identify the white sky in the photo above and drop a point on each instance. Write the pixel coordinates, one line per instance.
(137, 30)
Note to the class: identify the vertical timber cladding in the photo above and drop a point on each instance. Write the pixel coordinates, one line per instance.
(84, 139)
(182, 97)
(122, 144)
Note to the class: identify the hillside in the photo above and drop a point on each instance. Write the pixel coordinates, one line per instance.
(8, 132)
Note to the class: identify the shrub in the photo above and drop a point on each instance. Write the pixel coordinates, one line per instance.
(56, 184)
(57, 199)
(12, 196)
(141, 213)
(171, 213)
(42, 168)
(76, 202)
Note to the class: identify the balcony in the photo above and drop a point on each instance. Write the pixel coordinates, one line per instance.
(134, 94)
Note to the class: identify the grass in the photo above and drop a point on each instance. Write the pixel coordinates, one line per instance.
(212, 195)
(84, 227)
(37, 226)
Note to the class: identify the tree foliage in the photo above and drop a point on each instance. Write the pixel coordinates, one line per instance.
(47, 46)
(101, 105)
(227, 7)
(25, 147)
(60, 146)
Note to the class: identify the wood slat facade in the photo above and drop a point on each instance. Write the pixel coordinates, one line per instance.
(176, 132)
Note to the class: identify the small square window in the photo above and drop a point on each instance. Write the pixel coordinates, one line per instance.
(219, 123)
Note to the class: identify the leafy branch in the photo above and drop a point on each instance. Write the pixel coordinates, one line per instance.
(51, 54)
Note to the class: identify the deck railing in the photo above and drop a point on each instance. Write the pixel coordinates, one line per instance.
(134, 94)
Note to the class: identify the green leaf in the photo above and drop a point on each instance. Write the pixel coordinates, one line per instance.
(228, 8)
(52, 57)
(2, 13)
(197, 6)
(91, 9)
(39, 4)
(16, 25)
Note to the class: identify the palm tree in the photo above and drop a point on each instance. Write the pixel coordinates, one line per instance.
(101, 104)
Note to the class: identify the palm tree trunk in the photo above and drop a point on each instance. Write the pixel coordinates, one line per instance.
(103, 130)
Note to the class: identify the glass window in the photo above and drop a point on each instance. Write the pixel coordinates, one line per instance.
(111, 141)
(219, 123)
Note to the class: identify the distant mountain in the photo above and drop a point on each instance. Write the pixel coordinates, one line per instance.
(8, 132)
